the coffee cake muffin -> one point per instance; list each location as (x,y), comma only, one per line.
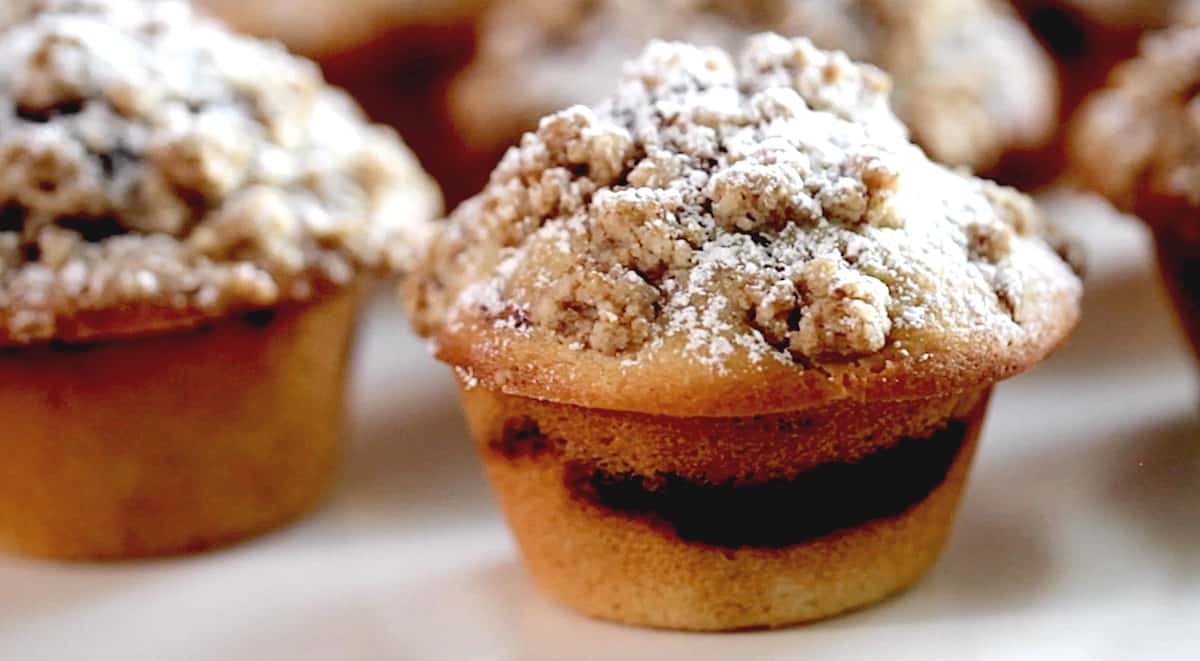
(187,218)
(971,82)
(1137,142)
(726,340)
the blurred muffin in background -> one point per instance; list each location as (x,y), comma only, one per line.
(322,27)
(1137,142)
(394,56)
(970,81)
(1089,37)
(187,219)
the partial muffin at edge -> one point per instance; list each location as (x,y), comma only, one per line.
(1137,143)
(188,220)
(750,238)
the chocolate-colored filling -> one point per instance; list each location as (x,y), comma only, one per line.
(781,512)
(522,438)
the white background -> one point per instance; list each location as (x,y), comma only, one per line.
(1079,537)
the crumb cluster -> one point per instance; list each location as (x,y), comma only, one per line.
(971,81)
(1139,140)
(149,156)
(773,207)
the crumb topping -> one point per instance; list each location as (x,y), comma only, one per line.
(971,81)
(1138,141)
(774,207)
(150,157)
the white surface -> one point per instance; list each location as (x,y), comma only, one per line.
(1079,537)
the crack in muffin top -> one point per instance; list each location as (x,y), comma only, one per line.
(773,209)
(1137,142)
(971,81)
(151,159)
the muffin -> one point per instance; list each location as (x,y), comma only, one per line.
(971,81)
(1137,142)
(725,341)
(187,221)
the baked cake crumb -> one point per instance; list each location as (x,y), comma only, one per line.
(772,207)
(150,157)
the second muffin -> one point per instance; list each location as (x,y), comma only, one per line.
(1137,142)
(726,341)
(188,219)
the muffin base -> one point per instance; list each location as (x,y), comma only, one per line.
(630,564)
(1179,266)
(172,443)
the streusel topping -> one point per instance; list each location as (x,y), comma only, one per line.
(971,81)
(149,157)
(774,208)
(1140,138)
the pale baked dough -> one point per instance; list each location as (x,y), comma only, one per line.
(1137,142)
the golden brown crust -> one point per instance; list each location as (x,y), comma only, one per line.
(669,382)
(618,567)
(174,443)
(711,449)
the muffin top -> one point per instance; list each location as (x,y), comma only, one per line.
(720,238)
(157,170)
(1138,141)
(971,82)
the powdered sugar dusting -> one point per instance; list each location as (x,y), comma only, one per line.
(770,209)
(148,156)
